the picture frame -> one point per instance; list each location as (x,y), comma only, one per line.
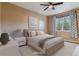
(33,22)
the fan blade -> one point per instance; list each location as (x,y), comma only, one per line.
(50,3)
(46,8)
(58,3)
(44,4)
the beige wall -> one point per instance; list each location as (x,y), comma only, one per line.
(14,17)
(49,21)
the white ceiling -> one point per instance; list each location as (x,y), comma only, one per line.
(36,7)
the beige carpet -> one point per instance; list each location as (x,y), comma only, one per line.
(67,50)
(73,40)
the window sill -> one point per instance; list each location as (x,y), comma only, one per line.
(63,31)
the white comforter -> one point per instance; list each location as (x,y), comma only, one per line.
(34,41)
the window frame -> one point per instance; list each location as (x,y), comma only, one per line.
(63,19)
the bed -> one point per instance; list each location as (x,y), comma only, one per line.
(49,47)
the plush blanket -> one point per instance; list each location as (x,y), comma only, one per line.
(42,42)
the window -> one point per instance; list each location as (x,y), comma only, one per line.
(63,23)
(41,25)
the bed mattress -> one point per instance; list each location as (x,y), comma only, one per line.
(34,41)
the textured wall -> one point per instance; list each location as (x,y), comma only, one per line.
(14,17)
(49,26)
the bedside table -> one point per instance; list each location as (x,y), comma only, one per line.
(21,40)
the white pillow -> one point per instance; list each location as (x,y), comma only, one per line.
(40,32)
(32,33)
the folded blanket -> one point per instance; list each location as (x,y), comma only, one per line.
(42,42)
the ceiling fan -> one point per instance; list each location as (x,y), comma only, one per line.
(51,5)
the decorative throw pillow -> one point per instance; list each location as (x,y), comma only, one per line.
(32,33)
(4,38)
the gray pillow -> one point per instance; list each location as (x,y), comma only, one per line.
(26,33)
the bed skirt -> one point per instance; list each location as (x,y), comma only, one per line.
(50,51)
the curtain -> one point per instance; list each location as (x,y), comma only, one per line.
(53,25)
(74,33)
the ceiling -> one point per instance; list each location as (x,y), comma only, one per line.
(36,7)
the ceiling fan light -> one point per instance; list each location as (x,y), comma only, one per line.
(50,6)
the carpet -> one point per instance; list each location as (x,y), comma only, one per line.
(67,50)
